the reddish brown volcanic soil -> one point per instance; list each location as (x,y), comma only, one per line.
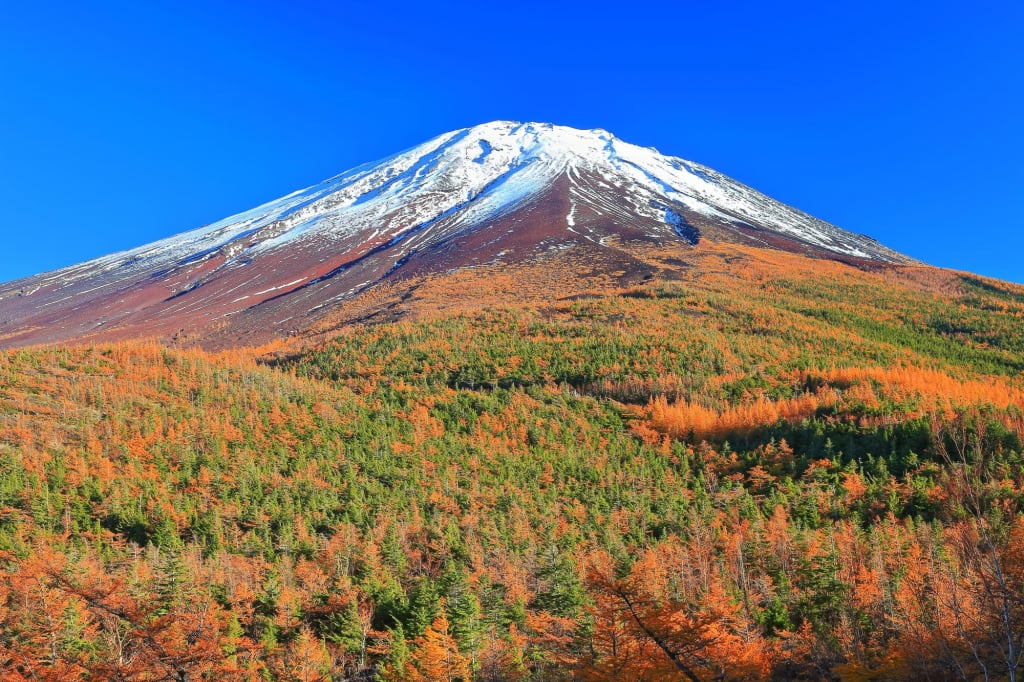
(223,301)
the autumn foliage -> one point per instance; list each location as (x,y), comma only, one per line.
(765,475)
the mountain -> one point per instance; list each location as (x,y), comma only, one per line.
(618,417)
(497,194)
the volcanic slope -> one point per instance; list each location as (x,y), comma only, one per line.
(491,196)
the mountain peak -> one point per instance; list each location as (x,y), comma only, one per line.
(495,193)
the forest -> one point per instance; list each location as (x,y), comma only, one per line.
(793,470)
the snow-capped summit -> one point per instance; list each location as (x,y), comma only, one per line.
(497,191)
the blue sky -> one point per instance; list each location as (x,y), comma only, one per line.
(125,122)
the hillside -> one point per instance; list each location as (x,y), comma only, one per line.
(720,462)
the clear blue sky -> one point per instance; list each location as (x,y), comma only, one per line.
(124,122)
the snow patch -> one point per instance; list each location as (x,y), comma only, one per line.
(279,287)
